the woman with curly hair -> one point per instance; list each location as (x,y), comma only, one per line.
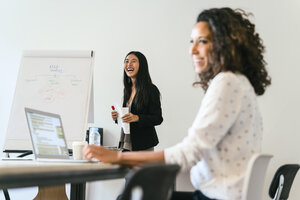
(228,57)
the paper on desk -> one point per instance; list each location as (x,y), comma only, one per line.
(122,111)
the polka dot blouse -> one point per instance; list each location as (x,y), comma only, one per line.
(226,132)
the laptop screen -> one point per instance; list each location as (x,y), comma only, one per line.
(46,134)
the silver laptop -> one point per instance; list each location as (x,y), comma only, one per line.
(47,137)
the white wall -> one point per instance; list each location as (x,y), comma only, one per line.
(161,30)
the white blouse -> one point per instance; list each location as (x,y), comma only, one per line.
(226,132)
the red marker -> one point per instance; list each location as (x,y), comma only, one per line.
(113,108)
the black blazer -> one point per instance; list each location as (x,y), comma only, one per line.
(142,133)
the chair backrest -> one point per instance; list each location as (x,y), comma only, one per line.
(255,177)
(149,182)
(282,181)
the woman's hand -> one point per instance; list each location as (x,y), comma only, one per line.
(129,117)
(117,157)
(114,115)
(101,153)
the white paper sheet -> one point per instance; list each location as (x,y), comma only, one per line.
(122,111)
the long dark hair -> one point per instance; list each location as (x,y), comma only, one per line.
(142,83)
(236,47)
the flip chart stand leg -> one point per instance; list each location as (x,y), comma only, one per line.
(6,194)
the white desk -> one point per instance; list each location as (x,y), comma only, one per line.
(14,174)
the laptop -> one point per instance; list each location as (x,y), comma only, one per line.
(47,137)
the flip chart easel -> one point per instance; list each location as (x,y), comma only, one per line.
(57,82)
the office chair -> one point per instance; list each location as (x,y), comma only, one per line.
(255,177)
(149,182)
(282,181)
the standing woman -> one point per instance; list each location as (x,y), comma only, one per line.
(143,99)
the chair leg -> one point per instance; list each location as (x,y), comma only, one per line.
(6,194)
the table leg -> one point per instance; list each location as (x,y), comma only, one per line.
(78,191)
(51,192)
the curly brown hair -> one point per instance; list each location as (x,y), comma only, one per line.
(236,47)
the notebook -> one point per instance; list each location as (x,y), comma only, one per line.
(47,137)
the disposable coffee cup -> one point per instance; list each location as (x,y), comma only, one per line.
(78,150)
(125,126)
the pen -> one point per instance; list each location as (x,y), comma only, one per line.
(113,108)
